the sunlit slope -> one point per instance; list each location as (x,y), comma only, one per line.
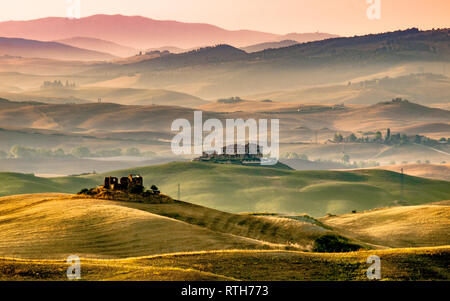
(55,226)
(406,226)
(235,188)
(397,264)
(431,171)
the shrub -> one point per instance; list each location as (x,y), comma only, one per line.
(155,189)
(330,243)
(86,191)
(136,189)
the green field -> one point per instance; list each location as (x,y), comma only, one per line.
(235,188)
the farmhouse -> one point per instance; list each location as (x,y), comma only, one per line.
(245,154)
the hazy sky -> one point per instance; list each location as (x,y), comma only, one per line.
(344,17)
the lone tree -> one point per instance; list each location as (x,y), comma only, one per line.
(155,189)
(338,138)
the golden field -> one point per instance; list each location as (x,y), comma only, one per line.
(182,241)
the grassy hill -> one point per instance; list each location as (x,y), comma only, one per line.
(128,96)
(397,227)
(397,265)
(53,226)
(431,171)
(56,225)
(182,241)
(236,188)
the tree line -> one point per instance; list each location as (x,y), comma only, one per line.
(19,151)
(389,139)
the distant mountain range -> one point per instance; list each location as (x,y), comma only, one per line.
(142,33)
(51,50)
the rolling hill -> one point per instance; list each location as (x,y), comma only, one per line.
(398,265)
(397,227)
(295,120)
(420,88)
(100,46)
(127,96)
(224,70)
(96,228)
(50,50)
(107,224)
(180,241)
(431,171)
(235,188)
(91,116)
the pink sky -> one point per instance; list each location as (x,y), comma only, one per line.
(344,17)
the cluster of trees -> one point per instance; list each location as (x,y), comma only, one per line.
(231,100)
(345,160)
(84,152)
(390,139)
(294,155)
(58,84)
(19,151)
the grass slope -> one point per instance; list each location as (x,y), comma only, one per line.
(397,227)
(235,188)
(57,225)
(397,264)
